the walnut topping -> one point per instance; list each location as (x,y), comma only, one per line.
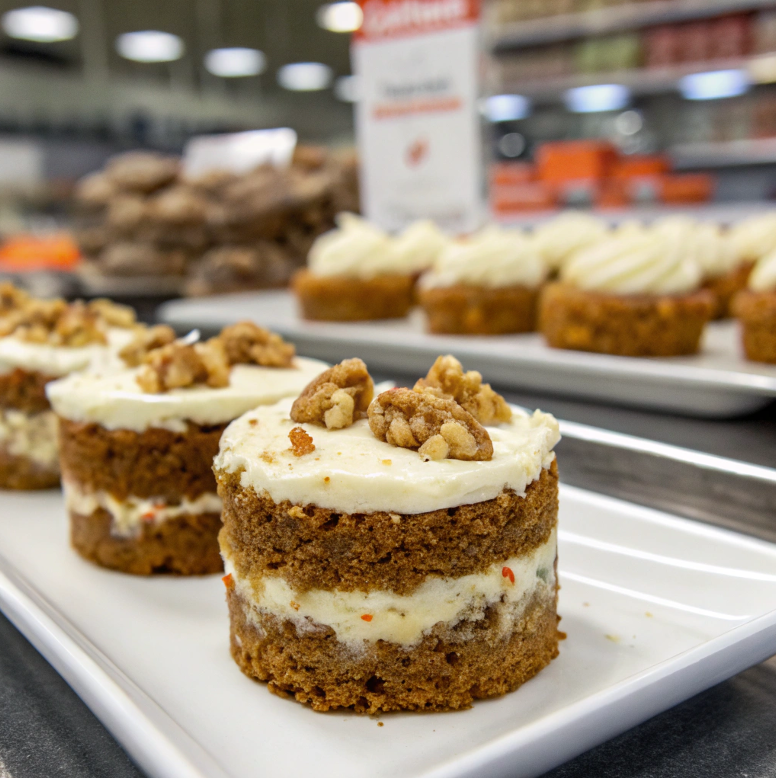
(178,365)
(12,298)
(135,352)
(447,379)
(437,427)
(337,397)
(247,343)
(301,442)
(113,314)
(54,322)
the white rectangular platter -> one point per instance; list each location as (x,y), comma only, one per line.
(718,382)
(656,608)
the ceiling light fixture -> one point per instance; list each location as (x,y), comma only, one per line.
(235,62)
(41,24)
(340,17)
(150,46)
(305,76)
(506,108)
(714,85)
(347,89)
(599,97)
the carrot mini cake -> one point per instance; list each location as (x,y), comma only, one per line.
(559,238)
(487,284)
(724,271)
(354,273)
(40,341)
(137,445)
(636,295)
(395,552)
(756,309)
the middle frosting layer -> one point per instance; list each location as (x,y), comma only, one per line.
(354,472)
(115,401)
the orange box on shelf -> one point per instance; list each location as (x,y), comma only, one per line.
(680,188)
(641,166)
(509,199)
(29,252)
(568,160)
(505,173)
(612,194)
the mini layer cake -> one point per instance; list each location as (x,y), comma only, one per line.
(402,557)
(40,341)
(137,445)
(358,272)
(756,309)
(486,284)
(637,294)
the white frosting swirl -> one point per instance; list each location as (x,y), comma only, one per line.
(493,257)
(763,275)
(646,263)
(115,401)
(706,243)
(558,239)
(355,249)
(417,248)
(755,237)
(354,472)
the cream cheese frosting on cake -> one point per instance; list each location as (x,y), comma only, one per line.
(417,248)
(763,275)
(494,257)
(116,401)
(354,472)
(558,239)
(30,435)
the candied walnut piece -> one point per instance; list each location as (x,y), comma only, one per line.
(113,314)
(301,442)
(78,326)
(247,343)
(12,298)
(337,397)
(410,419)
(447,379)
(147,340)
(213,356)
(34,320)
(171,367)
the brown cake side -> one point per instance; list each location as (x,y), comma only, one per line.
(757,313)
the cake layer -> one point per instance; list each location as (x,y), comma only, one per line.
(116,402)
(154,464)
(372,615)
(448,669)
(60,360)
(353,472)
(316,548)
(30,435)
(131,514)
(185,544)
(24,390)
(20,472)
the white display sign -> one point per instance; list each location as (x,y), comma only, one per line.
(417,121)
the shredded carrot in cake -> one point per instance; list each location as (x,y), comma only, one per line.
(507,573)
(228,581)
(367,617)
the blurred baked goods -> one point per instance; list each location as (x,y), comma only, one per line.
(141,216)
(755,308)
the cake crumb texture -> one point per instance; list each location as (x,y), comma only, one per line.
(757,313)
(22,473)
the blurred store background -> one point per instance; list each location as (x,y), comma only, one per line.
(612,105)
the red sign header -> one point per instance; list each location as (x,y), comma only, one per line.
(400,18)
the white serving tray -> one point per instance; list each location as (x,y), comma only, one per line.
(656,608)
(719,382)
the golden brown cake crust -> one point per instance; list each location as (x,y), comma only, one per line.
(316,548)
(184,545)
(153,463)
(18,472)
(447,670)
(726,286)
(633,325)
(478,310)
(336,298)
(757,313)
(24,390)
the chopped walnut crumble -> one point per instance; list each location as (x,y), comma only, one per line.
(337,397)
(113,314)
(11,298)
(437,427)
(54,322)
(447,379)
(179,365)
(146,340)
(301,442)
(247,343)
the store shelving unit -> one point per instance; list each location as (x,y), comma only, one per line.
(739,153)
(631,16)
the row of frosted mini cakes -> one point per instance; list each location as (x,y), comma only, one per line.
(635,290)
(389,551)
